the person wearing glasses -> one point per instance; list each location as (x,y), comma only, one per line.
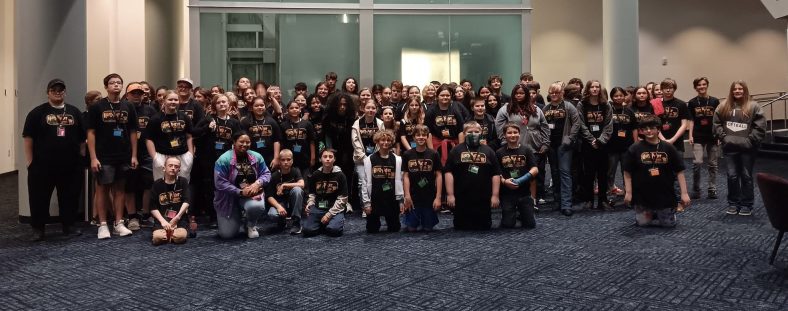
(54,138)
(651,167)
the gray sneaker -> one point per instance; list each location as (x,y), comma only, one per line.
(745,211)
(296,228)
(134,224)
(732,210)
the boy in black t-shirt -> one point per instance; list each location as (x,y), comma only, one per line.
(701,137)
(170,202)
(285,193)
(382,192)
(518,168)
(422,183)
(650,168)
(54,137)
(676,118)
(470,167)
(325,208)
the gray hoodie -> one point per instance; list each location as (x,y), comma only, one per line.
(740,133)
(535,134)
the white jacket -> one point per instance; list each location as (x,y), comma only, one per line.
(366,182)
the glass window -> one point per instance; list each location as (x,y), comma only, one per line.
(417,49)
(280,49)
(297,1)
(448,1)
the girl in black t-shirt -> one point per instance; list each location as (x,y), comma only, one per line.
(623,136)
(389,123)
(315,114)
(596,114)
(413,116)
(298,135)
(264,132)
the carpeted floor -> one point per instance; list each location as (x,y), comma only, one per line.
(591,261)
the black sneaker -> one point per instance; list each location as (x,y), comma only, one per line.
(745,211)
(712,194)
(37,236)
(695,195)
(296,228)
(71,232)
(732,210)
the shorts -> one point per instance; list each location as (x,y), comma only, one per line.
(111,173)
(664,217)
(138,180)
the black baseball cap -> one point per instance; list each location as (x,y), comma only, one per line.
(55,82)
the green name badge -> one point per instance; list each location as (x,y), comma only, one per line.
(514,173)
(474,169)
(423,183)
(386,186)
(322,205)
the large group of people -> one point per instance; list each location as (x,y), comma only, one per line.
(244,160)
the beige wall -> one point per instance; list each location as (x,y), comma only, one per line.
(7,88)
(734,40)
(166,36)
(116,40)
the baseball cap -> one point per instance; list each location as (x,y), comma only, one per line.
(187,80)
(55,82)
(133,87)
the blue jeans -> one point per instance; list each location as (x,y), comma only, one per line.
(293,204)
(740,187)
(229,227)
(560,158)
(312,226)
(421,215)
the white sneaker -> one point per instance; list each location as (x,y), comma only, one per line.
(121,230)
(134,224)
(103,232)
(252,233)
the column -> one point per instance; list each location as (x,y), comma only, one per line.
(620,55)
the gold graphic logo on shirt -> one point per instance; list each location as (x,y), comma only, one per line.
(189,113)
(142,122)
(224,132)
(295,134)
(60,120)
(595,117)
(473,157)
(368,132)
(120,116)
(173,126)
(654,157)
(671,112)
(555,114)
(447,120)
(170,197)
(260,131)
(326,187)
(384,172)
(513,161)
(420,165)
(621,118)
(640,115)
(704,111)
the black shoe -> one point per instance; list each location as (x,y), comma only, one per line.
(695,195)
(732,210)
(588,205)
(295,229)
(712,195)
(568,212)
(745,211)
(605,206)
(71,232)
(37,236)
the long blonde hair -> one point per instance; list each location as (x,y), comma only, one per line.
(726,109)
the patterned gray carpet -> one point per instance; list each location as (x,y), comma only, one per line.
(592,261)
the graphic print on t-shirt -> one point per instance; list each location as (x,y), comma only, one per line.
(367,132)
(654,157)
(473,157)
(513,161)
(60,119)
(170,197)
(224,132)
(621,118)
(555,114)
(704,111)
(260,131)
(420,165)
(295,134)
(111,116)
(189,113)
(448,119)
(671,112)
(173,126)
(384,172)
(640,115)
(326,187)
(142,122)
(595,117)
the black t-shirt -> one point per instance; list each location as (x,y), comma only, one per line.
(56,134)
(263,133)
(451,120)
(144,114)
(594,117)
(675,111)
(168,132)
(222,138)
(489,135)
(641,112)
(297,136)
(406,129)
(623,125)
(327,187)
(246,174)
(556,118)
(653,169)
(472,170)
(701,111)
(193,110)
(421,168)
(168,198)
(278,178)
(383,173)
(112,129)
(367,131)
(515,163)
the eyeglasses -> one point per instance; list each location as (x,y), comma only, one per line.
(57,91)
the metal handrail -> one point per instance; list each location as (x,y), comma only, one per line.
(770,104)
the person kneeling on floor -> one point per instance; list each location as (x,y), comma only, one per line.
(381,191)
(650,168)
(285,194)
(327,202)
(170,202)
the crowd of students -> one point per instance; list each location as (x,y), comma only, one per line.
(240,159)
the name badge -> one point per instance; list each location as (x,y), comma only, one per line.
(219,145)
(386,186)
(514,173)
(413,144)
(174,143)
(260,144)
(117,132)
(61,131)
(297,148)
(171,214)
(551,126)
(736,126)
(322,205)
(423,182)
(622,133)
(595,128)
(654,171)
(370,149)
(473,169)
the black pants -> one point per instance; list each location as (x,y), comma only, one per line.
(541,162)
(42,180)
(388,211)
(595,165)
(472,212)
